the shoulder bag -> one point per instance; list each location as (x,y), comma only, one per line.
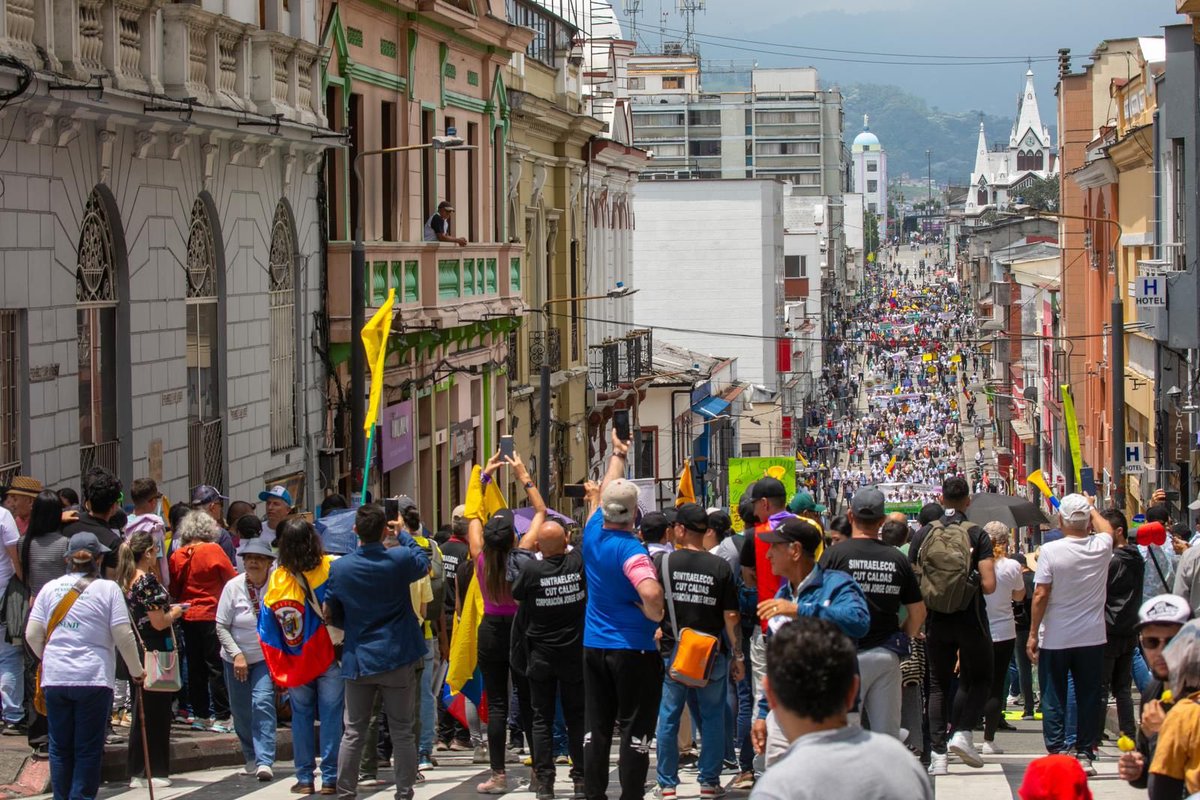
(161,667)
(14,610)
(56,618)
(695,651)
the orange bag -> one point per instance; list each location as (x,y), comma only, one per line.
(695,651)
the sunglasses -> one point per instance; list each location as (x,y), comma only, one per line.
(1156,642)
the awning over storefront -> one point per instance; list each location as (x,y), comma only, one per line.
(1022,430)
(711,407)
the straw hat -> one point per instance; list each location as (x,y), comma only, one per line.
(25,485)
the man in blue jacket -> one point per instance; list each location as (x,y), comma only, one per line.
(807,591)
(382,647)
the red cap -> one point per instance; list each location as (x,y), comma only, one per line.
(1152,533)
(1056,777)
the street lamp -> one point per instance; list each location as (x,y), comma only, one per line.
(358,299)
(621,290)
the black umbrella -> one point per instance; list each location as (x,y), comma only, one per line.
(1015,512)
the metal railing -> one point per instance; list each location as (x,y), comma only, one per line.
(206,463)
(545,348)
(103,454)
(8,472)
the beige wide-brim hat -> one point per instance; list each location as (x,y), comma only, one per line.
(25,485)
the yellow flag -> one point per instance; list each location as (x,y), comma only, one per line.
(1071,423)
(374,340)
(891,466)
(685,493)
(482,502)
(800,457)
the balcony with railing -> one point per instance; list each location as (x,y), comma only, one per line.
(437,285)
(176,49)
(545,349)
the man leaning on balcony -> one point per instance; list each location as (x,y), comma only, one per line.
(437,228)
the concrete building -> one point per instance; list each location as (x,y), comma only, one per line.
(785,126)
(161,235)
(1002,170)
(396,77)
(871,175)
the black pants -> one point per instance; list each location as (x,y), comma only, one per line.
(157,708)
(1117,677)
(971,645)
(624,688)
(38,729)
(1024,672)
(993,709)
(551,682)
(206,674)
(494,638)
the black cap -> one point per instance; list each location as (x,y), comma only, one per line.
(692,516)
(867,504)
(769,488)
(500,528)
(795,530)
(654,525)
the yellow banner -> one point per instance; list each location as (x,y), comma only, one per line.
(374,341)
(1072,424)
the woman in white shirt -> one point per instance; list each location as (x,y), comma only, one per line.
(1010,588)
(251,691)
(79,663)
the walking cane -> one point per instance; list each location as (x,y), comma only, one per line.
(141,706)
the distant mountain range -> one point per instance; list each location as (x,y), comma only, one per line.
(907,126)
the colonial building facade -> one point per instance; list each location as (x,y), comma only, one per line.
(160,251)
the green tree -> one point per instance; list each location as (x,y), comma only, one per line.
(870,232)
(1042,194)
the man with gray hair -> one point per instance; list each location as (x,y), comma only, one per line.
(1068,620)
(622,671)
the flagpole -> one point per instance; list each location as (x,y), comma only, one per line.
(367,465)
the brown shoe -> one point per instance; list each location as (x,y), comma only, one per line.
(302,788)
(328,790)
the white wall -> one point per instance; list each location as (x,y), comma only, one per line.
(708,256)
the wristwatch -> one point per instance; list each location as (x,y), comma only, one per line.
(529,484)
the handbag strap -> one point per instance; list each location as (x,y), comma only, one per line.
(666,567)
(1157,568)
(311,596)
(138,634)
(65,604)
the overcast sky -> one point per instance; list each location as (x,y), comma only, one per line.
(868,28)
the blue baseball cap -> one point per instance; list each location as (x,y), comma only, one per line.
(277,493)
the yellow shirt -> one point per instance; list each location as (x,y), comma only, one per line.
(421,592)
(1177,754)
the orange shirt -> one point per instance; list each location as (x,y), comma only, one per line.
(1177,754)
(198,574)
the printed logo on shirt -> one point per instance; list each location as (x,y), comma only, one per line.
(693,587)
(560,590)
(874,576)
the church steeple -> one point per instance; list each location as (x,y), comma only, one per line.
(981,150)
(1029,119)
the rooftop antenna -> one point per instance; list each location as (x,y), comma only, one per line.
(635,8)
(688,9)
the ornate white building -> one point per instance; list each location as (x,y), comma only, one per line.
(1001,172)
(160,248)
(870,174)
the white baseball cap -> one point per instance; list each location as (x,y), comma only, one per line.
(1075,509)
(1164,609)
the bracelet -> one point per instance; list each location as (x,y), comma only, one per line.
(484,479)
(529,484)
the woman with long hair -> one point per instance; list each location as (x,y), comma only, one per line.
(490,546)
(299,651)
(199,571)
(1010,588)
(153,617)
(42,550)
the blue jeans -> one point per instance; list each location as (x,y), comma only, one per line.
(78,722)
(1082,667)
(1141,671)
(428,710)
(323,696)
(561,747)
(12,680)
(711,723)
(742,693)
(252,702)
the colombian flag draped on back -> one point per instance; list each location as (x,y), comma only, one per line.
(295,641)
(464,680)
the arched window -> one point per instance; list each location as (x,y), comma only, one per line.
(96,318)
(282,289)
(981,197)
(205,441)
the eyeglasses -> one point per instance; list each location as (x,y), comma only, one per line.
(1156,642)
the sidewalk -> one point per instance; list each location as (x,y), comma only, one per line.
(21,775)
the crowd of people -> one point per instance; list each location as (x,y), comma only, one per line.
(815,637)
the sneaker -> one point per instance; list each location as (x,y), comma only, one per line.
(1027,716)
(157,783)
(456,745)
(249,769)
(962,746)
(545,791)
(114,738)
(425,762)
(711,791)
(442,747)
(1085,761)
(369,781)
(729,765)
(222,726)
(991,749)
(578,791)
(497,784)
(201,724)
(939,764)
(329,791)
(481,755)
(744,780)
(301,788)
(562,760)
(41,752)
(17,729)
(264,773)
(1015,700)
(665,792)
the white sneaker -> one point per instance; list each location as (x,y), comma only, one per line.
(938,764)
(480,755)
(991,749)
(1086,763)
(140,783)
(962,746)
(264,773)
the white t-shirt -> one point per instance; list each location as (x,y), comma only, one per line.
(9,536)
(1077,568)
(999,602)
(81,650)
(236,612)
(152,524)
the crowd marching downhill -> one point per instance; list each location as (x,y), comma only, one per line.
(845,640)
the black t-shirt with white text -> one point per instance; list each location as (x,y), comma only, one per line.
(553,596)
(703,589)
(886,578)
(454,553)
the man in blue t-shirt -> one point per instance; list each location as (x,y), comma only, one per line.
(622,671)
